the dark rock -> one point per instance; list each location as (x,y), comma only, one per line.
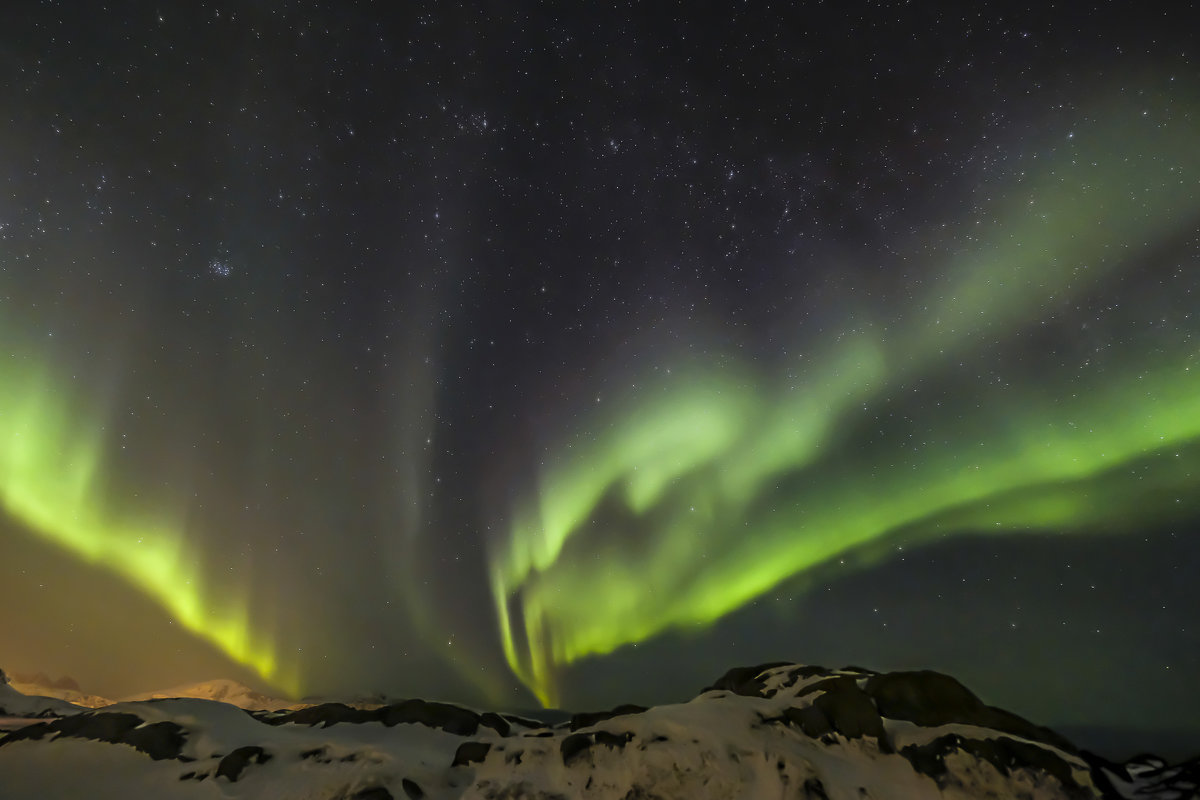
(452,719)
(850,710)
(573,745)
(470,752)
(746,681)
(589,718)
(824,686)
(102,726)
(324,715)
(577,743)
(814,790)
(235,763)
(931,698)
(373,793)
(525,722)
(859,670)
(926,698)
(809,719)
(798,673)
(29,732)
(411,789)
(160,740)
(1147,776)
(496,722)
(641,793)
(841,708)
(1003,753)
(614,740)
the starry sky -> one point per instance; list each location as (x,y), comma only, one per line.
(520,353)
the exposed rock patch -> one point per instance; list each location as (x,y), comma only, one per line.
(1006,755)
(588,719)
(444,716)
(930,699)
(235,763)
(470,753)
(159,740)
(577,743)
(746,681)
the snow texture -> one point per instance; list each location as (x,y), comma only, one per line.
(775,731)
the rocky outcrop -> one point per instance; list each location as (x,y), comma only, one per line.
(159,740)
(931,698)
(588,719)
(444,716)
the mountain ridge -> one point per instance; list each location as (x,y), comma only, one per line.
(780,729)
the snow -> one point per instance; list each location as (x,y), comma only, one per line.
(719,745)
(227,691)
(70,695)
(15,704)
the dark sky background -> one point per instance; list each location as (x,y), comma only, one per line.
(343,344)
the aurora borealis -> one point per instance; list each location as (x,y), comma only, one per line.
(697,456)
(520,355)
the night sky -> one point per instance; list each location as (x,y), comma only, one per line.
(529,351)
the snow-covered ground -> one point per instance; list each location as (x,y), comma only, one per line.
(783,731)
(14,703)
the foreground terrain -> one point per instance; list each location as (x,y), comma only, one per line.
(770,731)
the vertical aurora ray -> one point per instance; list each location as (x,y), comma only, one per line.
(711,490)
(53,482)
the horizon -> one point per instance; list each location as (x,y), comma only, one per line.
(1115,743)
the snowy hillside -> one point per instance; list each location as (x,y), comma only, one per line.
(224,691)
(63,689)
(776,731)
(14,703)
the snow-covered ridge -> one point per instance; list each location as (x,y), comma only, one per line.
(64,688)
(778,730)
(222,690)
(15,703)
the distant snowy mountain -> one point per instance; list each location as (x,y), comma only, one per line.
(221,690)
(15,703)
(772,731)
(63,689)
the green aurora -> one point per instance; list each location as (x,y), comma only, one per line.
(705,492)
(54,481)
